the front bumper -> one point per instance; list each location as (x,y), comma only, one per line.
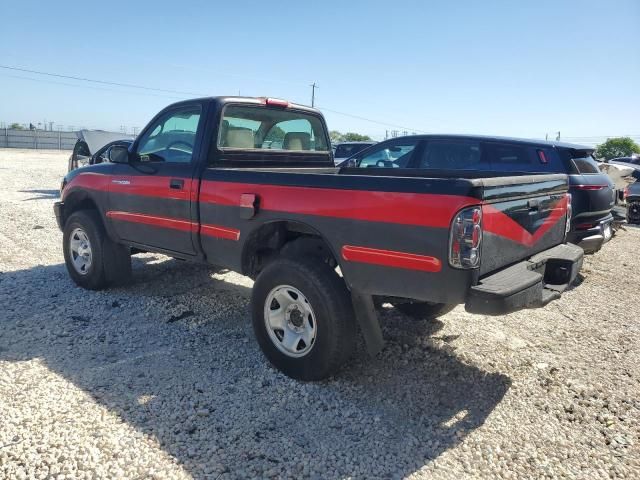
(58,209)
(531,283)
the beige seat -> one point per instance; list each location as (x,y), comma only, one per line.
(239,138)
(297,141)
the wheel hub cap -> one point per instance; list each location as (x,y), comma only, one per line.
(80,251)
(290,321)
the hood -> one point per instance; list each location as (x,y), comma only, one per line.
(96,139)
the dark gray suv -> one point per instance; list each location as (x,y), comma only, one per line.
(592,191)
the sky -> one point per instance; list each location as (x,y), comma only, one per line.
(488,67)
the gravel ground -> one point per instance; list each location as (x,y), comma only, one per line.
(163,379)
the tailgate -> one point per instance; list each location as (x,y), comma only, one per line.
(521,216)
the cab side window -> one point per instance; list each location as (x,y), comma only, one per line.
(396,155)
(452,155)
(523,158)
(512,158)
(172,138)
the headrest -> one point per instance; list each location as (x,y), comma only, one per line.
(297,141)
(239,138)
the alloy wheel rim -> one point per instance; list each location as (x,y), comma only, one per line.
(80,250)
(290,321)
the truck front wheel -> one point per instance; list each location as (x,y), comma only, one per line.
(92,259)
(303,318)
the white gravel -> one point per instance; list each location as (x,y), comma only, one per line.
(115,385)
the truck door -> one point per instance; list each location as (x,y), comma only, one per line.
(150,198)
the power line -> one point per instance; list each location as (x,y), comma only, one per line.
(52,82)
(371,120)
(604,136)
(103,82)
(143,87)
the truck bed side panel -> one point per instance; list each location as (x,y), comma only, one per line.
(387,242)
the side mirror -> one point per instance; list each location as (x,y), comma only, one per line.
(119,154)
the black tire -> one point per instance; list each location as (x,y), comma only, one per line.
(633,212)
(329,298)
(110,262)
(424,310)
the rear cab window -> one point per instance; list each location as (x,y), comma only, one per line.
(248,127)
(583,162)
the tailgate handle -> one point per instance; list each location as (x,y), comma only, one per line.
(533,204)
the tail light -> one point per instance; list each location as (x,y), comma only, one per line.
(465,238)
(625,193)
(569,214)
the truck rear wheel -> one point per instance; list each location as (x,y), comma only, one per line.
(303,318)
(92,259)
(424,310)
(633,212)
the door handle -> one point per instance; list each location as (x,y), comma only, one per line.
(176,183)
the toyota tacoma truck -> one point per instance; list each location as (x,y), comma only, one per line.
(249,184)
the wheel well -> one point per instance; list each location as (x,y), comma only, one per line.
(78,202)
(277,239)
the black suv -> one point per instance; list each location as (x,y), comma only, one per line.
(592,191)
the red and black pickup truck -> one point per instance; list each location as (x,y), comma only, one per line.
(249,184)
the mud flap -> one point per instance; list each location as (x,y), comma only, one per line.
(368,320)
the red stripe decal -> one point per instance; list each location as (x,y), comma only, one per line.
(497,222)
(220,232)
(150,186)
(422,209)
(389,258)
(176,224)
(88,180)
(173,223)
(146,186)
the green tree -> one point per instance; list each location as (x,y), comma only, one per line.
(16,126)
(617,147)
(356,137)
(336,136)
(275,135)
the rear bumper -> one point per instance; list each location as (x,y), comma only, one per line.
(58,209)
(591,239)
(531,283)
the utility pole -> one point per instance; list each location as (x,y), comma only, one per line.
(313,94)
